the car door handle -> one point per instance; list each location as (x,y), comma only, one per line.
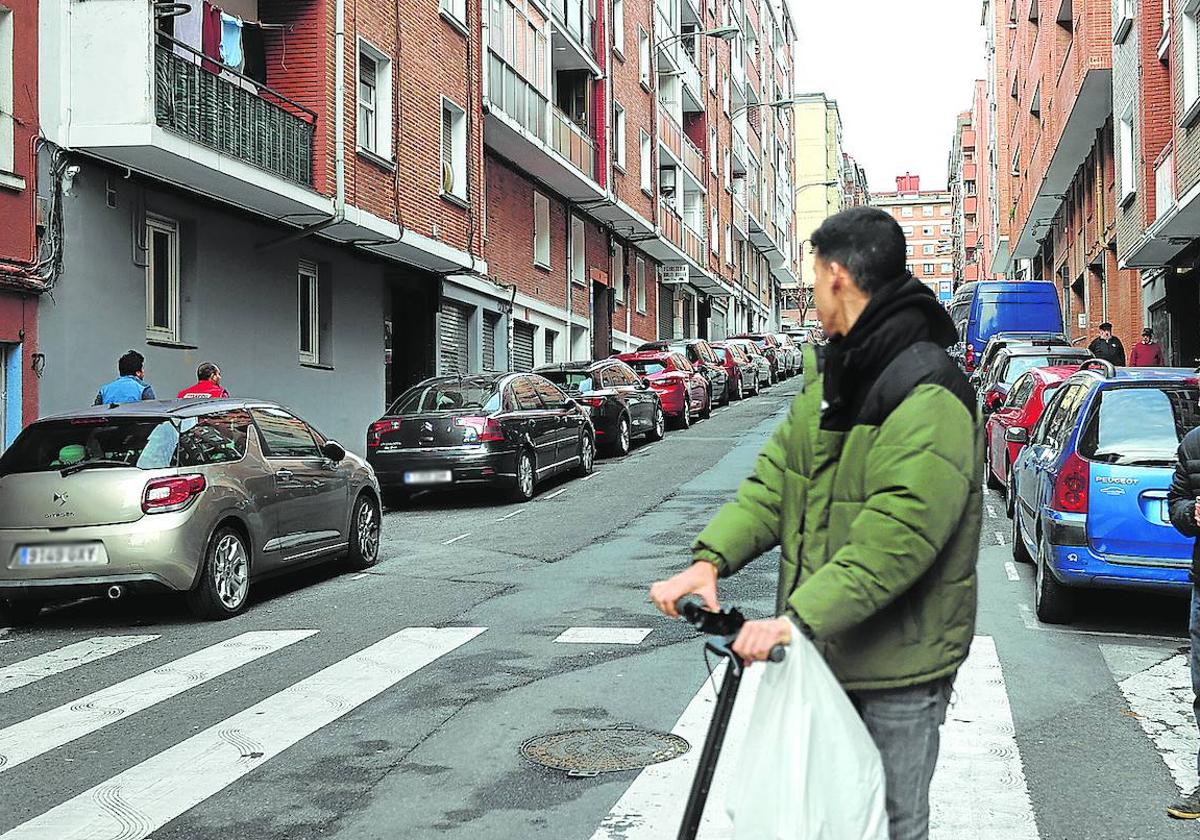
(284,475)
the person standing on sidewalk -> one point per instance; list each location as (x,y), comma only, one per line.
(1183,502)
(130,385)
(872,488)
(1147,352)
(208,384)
(1107,346)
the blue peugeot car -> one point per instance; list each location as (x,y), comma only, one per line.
(1090,485)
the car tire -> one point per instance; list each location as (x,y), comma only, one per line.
(726,399)
(365,527)
(622,441)
(396,499)
(658,429)
(685,416)
(19,613)
(993,483)
(223,589)
(525,482)
(1019,552)
(1010,498)
(740,393)
(706,412)
(1053,602)
(587,455)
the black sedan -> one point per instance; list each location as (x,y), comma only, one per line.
(621,404)
(510,430)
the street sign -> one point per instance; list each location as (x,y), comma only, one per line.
(674,275)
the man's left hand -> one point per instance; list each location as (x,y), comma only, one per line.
(756,638)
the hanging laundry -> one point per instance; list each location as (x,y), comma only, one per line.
(255,53)
(231,42)
(188,31)
(210,36)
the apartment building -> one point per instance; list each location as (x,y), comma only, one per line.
(992,115)
(321,201)
(1156,105)
(856,191)
(963,179)
(925,217)
(26,269)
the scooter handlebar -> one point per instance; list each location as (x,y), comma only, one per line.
(727,623)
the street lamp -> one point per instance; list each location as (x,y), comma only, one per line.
(722,33)
(778,103)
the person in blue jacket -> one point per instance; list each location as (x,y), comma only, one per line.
(130,386)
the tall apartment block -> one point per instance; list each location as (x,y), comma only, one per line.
(965,200)
(925,217)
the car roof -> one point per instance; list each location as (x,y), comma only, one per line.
(1054,374)
(643,355)
(1044,350)
(577,365)
(1140,374)
(165,409)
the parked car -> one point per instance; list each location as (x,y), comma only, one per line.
(743,378)
(762,365)
(1008,427)
(986,307)
(501,429)
(203,497)
(789,348)
(1012,361)
(682,390)
(1007,339)
(701,356)
(1091,485)
(769,347)
(621,405)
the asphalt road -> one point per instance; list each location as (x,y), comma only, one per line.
(416,733)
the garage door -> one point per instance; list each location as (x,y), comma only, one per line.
(453,328)
(491,321)
(666,311)
(522,346)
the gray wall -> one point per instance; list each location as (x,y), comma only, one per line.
(238,308)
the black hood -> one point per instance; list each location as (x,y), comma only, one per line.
(902,313)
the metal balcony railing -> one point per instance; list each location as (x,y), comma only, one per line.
(693,245)
(232,113)
(693,158)
(570,142)
(671,225)
(517,98)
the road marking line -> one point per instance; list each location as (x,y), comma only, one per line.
(50,730)
(979,788)
(589,476)
(726,408)
(999,537)
(65,658)
(1031,623)
(139,801)
(453,540)
(603,635)
(554,495)
(646,448)
(1161,697)
(511,515)
(1010,569)
(358,576)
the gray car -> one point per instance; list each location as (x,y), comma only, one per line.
(200,497)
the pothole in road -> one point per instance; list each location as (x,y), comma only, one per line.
(590,752)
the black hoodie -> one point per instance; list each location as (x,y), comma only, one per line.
(902,313)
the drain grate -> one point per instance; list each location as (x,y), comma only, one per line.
(589,752)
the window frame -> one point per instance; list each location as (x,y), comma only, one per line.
(617,271)
(578,251)
(644,58)
(458,151)
(1126,158)
(381,107)
(169,227)
(646,163)
(8,66)
(541,230)
(618,27)
(308,271)
(1123,20)
(619,136)
(641,285)
(456,12)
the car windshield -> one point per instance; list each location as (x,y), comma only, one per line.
(1019,364)
(447,396)
(574,381)
(1140,426)
(145,443)
(647,368)
(720,351)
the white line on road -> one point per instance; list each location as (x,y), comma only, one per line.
(554,495)
(1010,569)
(726,408)
(50,730)
(603,635)
(1031,623)
(645,448)
(999,537)
(589,476)
(511,515)
(139,801)
(65,658)
(453,540)
(359,576)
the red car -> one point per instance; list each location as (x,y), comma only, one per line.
(743,379)
(682,390)
(1008,426)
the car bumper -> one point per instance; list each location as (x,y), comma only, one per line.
(1080,566)
(473,466)
(157,552)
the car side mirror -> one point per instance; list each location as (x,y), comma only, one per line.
(1016,434)
(569,404)
(334,451)
(645,383)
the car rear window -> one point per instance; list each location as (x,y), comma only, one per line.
(446,396)
(1020,364)
(647,368)
(145,443)
(214,438)
(571,380)
(1140,426)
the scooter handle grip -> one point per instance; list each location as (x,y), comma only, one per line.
(777,654)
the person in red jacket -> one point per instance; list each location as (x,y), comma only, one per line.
(208,385)
(1147,352)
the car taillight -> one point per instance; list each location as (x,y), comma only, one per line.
(480,429)
(594,402)
(969,359)
(377,430)
(1071,486)
(163,495)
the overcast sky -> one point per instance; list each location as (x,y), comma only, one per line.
(900,73)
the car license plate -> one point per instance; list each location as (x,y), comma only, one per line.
(428,477)
(89,554)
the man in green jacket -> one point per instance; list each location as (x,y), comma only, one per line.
(872,489)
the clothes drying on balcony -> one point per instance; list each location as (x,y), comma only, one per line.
(231,41)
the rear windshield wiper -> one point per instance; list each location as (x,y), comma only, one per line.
(87,465)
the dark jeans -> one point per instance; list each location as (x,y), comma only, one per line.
(1194,629)
(904,724)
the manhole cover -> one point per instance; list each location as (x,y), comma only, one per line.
(587,752)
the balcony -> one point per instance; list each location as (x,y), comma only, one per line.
(573,144)
(740,159)
(574,38)
(675,147)
(693,83)
(694,245)
(741,219)
(670,225)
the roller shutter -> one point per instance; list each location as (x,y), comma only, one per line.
(522,346)
(453,329)
(666,311)
(491,321)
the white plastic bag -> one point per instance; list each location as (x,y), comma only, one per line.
(808,769)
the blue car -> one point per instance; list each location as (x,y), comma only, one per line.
(1090,485)
(982,309)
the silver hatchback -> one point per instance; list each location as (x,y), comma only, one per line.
(185,496)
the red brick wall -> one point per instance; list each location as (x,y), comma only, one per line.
(296,59)
(1155,123)
(638,103)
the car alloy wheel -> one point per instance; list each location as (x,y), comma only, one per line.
(659,429)
(1010,498)
(224,584)
(623,436)
(1019,552)
(1053,602)
(587,454)
(364,544)
(993,483)
(741,390)
(526,477)
(685,419)
(706,412)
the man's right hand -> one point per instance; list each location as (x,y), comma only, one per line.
(1196,513)
(698,579)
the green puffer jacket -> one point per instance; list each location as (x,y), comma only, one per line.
(878,526)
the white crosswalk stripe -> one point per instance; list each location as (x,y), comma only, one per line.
(50,730)
(27,671)
(138,801)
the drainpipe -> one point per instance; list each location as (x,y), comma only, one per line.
(570,267)
(339,117)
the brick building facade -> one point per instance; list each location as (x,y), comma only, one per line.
(925,217)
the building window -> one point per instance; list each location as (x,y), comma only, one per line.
(645,162)
(728,245)
(7,67)
(309,312)
(927,268)
(728,179)
(927,249)
(908,250)
(550,336)
(456,10)
(906,212)
(928,231)
(641,285)
(1124,20)
(725,91)
(714,232)
(454,150)
(945,268)
(644,57)
(618,25)
(1191,58)
(374,101)
(619,134)
(1128,176)
(712,150)
(712,69)
(1015,171)
(926,210)
(541,230)
(945,209)
(162,279)
(908,229)
(578,250)
(617,270)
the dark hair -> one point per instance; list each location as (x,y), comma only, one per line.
(130,363)
(867,242)
(206,370)
(1106,326)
